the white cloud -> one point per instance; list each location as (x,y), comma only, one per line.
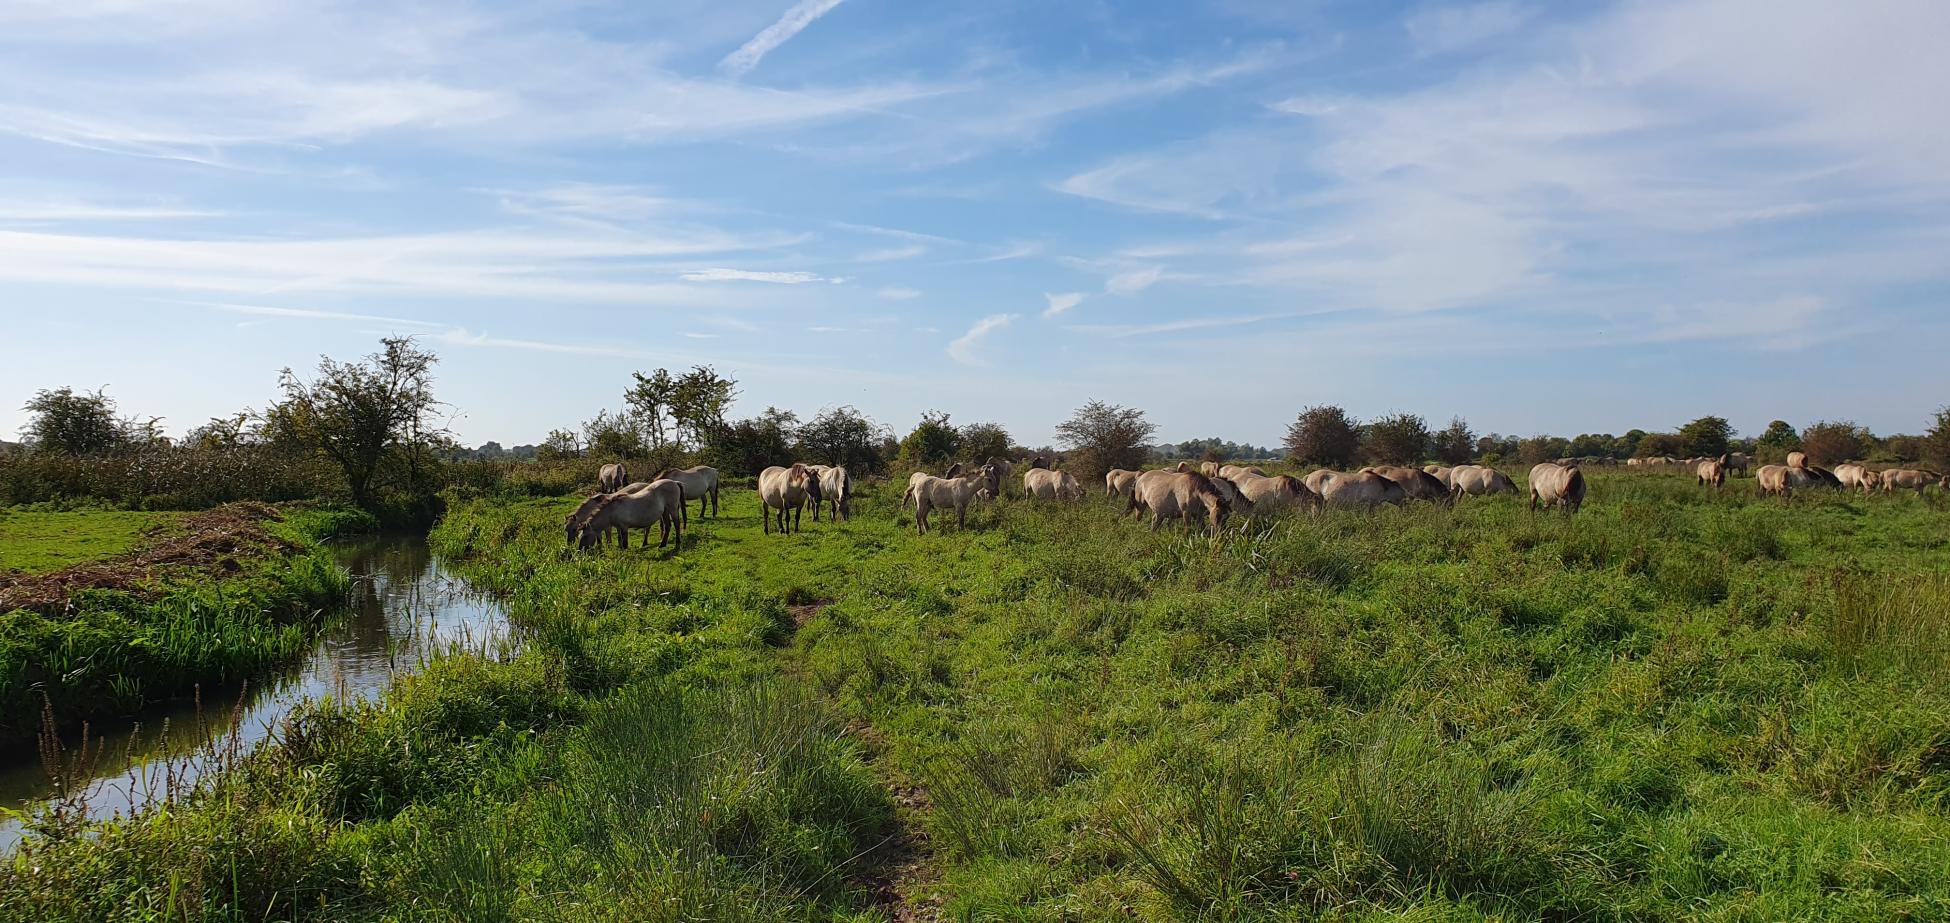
(1011,252)
(310,314)
(1119,331)
(962,350)
(1134,281)
(899,293)
(795,20)
(747,275)
(1057,304)
(511,264)
(891,254)
(1441,29)
(48,212)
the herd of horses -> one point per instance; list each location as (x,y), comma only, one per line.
(1207,494)
(663,502)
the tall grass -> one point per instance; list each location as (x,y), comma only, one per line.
(1662,708)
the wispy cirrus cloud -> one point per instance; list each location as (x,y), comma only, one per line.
(1056,305)
(899,293)
(795,21)
(1134,281)
(962,349)
(794,277)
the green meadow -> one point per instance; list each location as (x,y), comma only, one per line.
(36,542)
(1676,705)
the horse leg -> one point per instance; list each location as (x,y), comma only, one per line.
(768,520)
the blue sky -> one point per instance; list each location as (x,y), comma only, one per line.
(1542,217)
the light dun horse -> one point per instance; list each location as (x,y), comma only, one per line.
(1179,495)
(1119,483)
(835,487)
(1712,471)
(1856,477)
(611,478)
(931,493)
(700,484)
(1364,489)
(786,491)
(1277,492)
(659,503)
(1479,481)
(1913,479)
(1049,484)
(1555,485)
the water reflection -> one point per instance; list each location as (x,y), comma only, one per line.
(404,608)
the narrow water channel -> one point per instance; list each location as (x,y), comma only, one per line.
(405,608)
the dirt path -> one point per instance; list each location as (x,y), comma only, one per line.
(900,874)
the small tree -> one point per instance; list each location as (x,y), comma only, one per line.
(981,441)
(1831,443)
(1655,445)
(1538,449)
(1590,444)
(560,444)
(750,446)
(652,399)
(1103,436)
(612,435)
(842,436)
(1397,439)
(1935,446)
(932,444)
(1323,435)
(73,424)
(357,413)
(1705,436)
(698,402)
(1455,445)
(221,434)
(1779,435)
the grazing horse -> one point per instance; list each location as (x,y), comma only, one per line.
(1235,472)
(700,484)
(1736,463)
(835,487)
(1362,488)
(1479,481)
(1119,482)
(573,526)
(1050,484)
(612,477)
(1857,477)
(931,493)
(1797,460)
(1712,471)
(1556,485)
(1209,469)
(1276,492)
(1179,495)
(1416,483)
(1441,473)
(786,491)
(658,504)
(1913,479)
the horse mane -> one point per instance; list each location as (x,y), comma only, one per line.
(954,471)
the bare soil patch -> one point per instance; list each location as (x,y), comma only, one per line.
(212,541)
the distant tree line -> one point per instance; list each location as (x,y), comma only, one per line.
(372,431)
(1329,436)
